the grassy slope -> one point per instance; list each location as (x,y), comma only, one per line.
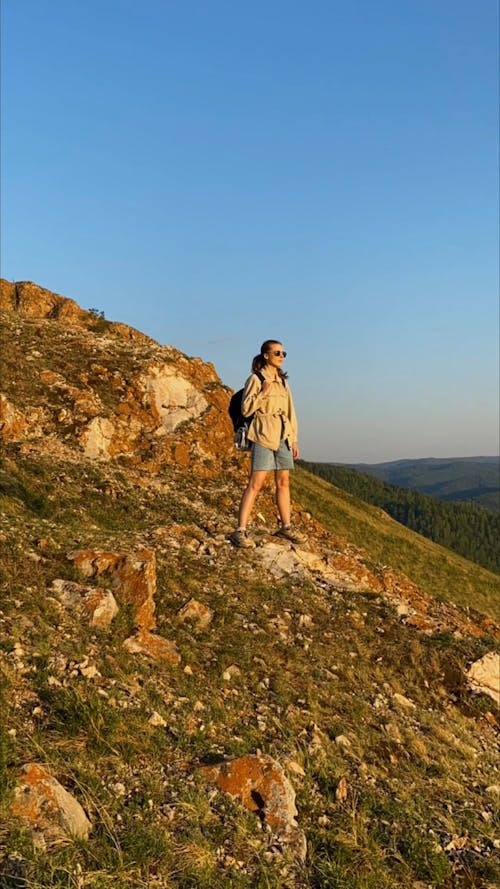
(314,665)
(415,779)
(436,570)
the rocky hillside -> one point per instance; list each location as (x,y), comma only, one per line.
(181,714)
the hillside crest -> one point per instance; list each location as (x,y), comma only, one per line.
(147,663)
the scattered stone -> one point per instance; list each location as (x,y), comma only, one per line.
(260,784)
(403,702)
(343,742)
(157,720)
(392,730)
(317,739)
(231,672)
(341,791)
(293,766)
(89,672)
(484,676)
(155,647)
(198,612)
(43,803)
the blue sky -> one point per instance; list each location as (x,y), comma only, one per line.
(326,173)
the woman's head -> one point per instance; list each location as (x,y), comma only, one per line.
(272,355)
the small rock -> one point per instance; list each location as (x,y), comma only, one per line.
(231,671)
(305,620)
(157,720)
(317,738)
(341,791)
(403,702)
(89,672)
(343,742)
(393,731)
(198,612)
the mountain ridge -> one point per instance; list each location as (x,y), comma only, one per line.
(470,479)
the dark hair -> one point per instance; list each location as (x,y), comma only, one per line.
(259,362)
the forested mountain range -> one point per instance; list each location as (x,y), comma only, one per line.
(465,528)
(472,479)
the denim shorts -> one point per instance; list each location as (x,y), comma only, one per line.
(266,459)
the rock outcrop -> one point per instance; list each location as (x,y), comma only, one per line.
(140,415)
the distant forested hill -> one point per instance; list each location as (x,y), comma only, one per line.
(465,528)
(475,479)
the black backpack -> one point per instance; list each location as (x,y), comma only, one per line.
(234,409)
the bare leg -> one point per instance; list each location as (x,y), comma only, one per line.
(257,480)
(282,479)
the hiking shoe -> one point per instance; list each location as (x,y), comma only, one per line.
(240,538)
(289,533)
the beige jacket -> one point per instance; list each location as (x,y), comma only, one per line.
(275,416)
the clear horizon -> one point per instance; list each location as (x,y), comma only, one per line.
(328,176)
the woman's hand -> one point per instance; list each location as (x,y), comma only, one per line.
(295,451)
(266,385)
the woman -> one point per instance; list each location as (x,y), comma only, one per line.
(273,433)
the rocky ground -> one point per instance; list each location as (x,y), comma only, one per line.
(180,713)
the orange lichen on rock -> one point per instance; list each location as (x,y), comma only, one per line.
(40,800)
(155,647)
(13,424)
(261,785)
(132,577)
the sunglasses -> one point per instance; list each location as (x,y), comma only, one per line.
(277,353)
